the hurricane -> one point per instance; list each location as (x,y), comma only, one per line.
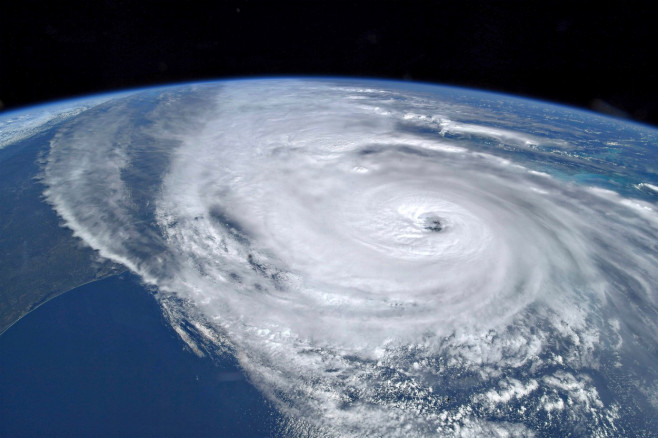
(376,258)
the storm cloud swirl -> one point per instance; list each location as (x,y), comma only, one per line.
(375,264)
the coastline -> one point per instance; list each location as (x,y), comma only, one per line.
(54,295)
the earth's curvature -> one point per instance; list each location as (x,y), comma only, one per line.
(383,258)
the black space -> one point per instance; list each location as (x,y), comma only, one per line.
(592,55)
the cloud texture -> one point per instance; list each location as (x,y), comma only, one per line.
(383,260)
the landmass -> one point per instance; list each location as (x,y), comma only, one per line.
(39,259)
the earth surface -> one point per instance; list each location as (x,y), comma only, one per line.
(326,257)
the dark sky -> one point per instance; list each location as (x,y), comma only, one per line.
(595,56)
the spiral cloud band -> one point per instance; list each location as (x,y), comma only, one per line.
(382,261)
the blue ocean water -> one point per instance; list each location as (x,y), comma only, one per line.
(101,361)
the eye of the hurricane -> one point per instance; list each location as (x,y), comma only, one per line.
(433,224)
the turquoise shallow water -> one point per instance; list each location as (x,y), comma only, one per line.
(100,361)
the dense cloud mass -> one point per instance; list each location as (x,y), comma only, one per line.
(383,260)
